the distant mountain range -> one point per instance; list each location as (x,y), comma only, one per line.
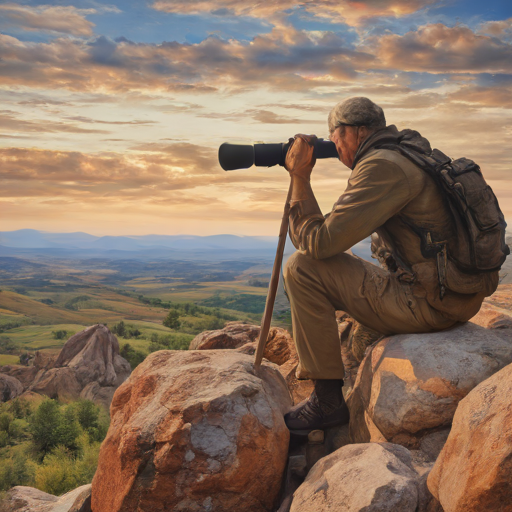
(26,242)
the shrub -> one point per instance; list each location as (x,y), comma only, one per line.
(18,430)
(17,470)
(59,335)
(134,357)
(172,320)
(45,426)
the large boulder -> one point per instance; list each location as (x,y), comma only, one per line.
(473,473)
(28,499)
(410,385)
(194,431)
(279,349)
(368,477)
(10,388)
(89,360)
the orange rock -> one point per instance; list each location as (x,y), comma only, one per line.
(299,389)
(279,348)
(410,385)
(194,430)
(473,472)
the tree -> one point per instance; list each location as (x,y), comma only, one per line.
(172,320)
(45,425)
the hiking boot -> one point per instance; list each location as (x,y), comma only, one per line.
(324,408)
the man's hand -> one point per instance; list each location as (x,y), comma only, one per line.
(300,158)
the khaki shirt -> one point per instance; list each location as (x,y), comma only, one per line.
(387,194)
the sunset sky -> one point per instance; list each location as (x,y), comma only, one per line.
(112,113)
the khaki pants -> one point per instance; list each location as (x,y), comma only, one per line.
(370,294)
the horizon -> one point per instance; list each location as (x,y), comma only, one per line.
(113,112)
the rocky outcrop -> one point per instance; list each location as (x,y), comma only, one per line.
(194,430)
(474,470)
(88,366)
(28,499)
(10,388)
(410,385)
(368,477)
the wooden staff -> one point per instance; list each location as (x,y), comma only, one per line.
(274,282)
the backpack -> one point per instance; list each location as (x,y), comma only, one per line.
(479,243)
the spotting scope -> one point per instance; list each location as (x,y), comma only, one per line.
(243,156)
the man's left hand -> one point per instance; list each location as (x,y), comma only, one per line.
(301,158)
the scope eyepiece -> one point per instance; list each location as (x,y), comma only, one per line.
(243,156)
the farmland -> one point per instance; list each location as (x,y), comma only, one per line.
(42,297)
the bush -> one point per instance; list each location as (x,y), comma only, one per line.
(4,438)
(61,471)
(18,430)
(172,320)
(17,470)
(7,346)
(59,335)
(134,357)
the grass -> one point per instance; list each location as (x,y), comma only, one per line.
(38,337)
(9,359)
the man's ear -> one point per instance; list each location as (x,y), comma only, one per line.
(362,134)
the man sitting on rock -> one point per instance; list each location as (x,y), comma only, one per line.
(394,199)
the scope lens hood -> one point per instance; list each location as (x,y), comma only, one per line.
(236,156)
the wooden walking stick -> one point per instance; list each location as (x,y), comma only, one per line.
(274,282)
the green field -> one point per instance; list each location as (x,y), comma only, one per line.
(74,295)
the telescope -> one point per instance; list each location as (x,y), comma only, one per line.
(243,156)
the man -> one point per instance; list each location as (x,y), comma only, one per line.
(389,195)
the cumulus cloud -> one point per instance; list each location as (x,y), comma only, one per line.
(285,58)
(351,12)
(48,18)
(437,48)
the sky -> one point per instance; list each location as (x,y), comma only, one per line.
(111,113)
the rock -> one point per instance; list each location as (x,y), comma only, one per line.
(88,361)
(410,385)
(233,335)
(94,356)
(100,395)
(10,387)
(279,348)
(25,374)
(194,431)
(44,361)
(372,477)
(496,319)
(474,470)
(299,389)
(28,499)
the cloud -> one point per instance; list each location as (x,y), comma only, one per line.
(497,97)
(287,59)
(9,122)
(440,49)
(48,18)
(497,28)
(353,13)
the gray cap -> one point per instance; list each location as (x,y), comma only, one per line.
(356,111)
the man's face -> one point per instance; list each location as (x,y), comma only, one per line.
(346,139)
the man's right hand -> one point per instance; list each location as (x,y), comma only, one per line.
(300,158)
